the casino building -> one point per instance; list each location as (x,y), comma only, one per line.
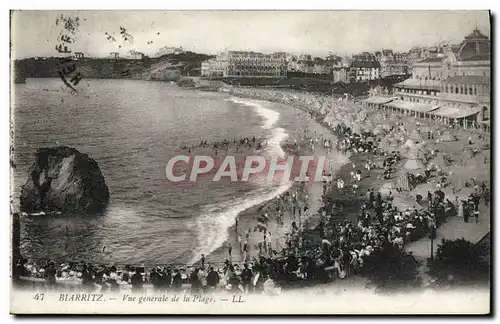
(450,88)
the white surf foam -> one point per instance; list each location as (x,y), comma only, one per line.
(270,116)
(212,226)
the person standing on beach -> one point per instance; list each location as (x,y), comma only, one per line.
(239,242)
(230,249)
(476,212)
(486,196)
(246,278)
(177,280)
(203,261)
(236,226)
(245,250)
(136,281)
(50,275)
(465,211)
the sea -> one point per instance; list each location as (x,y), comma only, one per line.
(131,129)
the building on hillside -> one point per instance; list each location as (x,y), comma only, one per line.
(292,63)
(333,60)
(247,64)
(473,57)
(79,55)
(134,55)
(414,55)
(205,68)
(364,67)
(305,66)
(346,61)
(392,63)
(401,57)
(321,67)
(340,74)
(213,68)
(253,64)
(305,57)
(171,73)
(455,89)
(169,50)
(114,55)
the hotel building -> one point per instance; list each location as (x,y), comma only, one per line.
(247,64)
(449,88)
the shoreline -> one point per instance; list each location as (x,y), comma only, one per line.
(463,168)
(319,108)
(246,217)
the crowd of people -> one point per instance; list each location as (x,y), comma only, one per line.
(336,253)
(239,145)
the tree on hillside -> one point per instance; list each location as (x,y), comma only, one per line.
(460,261)
(391,269)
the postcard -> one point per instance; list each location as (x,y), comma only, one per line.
(250,162)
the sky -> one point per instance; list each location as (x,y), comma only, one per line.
(34,33)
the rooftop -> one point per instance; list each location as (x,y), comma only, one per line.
(431,60)
(365,63)
(481,57)
(419,84)
(468,79)
(475,44)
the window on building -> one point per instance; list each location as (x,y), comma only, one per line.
(461,90)
(475,91)
(470,91)
(456,90)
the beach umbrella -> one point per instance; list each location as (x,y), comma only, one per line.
(403,183)
(378,131)
(414,164)
(386,187)
(386,127)
(465,192)
(415,136)
(356,128)
(325,241)
(409,144)
(447,137)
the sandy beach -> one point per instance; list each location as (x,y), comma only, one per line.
(247,219)
(468,151)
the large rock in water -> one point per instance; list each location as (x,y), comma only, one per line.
(63,179)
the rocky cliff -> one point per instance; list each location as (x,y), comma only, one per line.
(63,179)
(165,68)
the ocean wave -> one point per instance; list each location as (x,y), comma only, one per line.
(212,227)
(270,116)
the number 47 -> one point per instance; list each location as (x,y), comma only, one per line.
(38,297)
